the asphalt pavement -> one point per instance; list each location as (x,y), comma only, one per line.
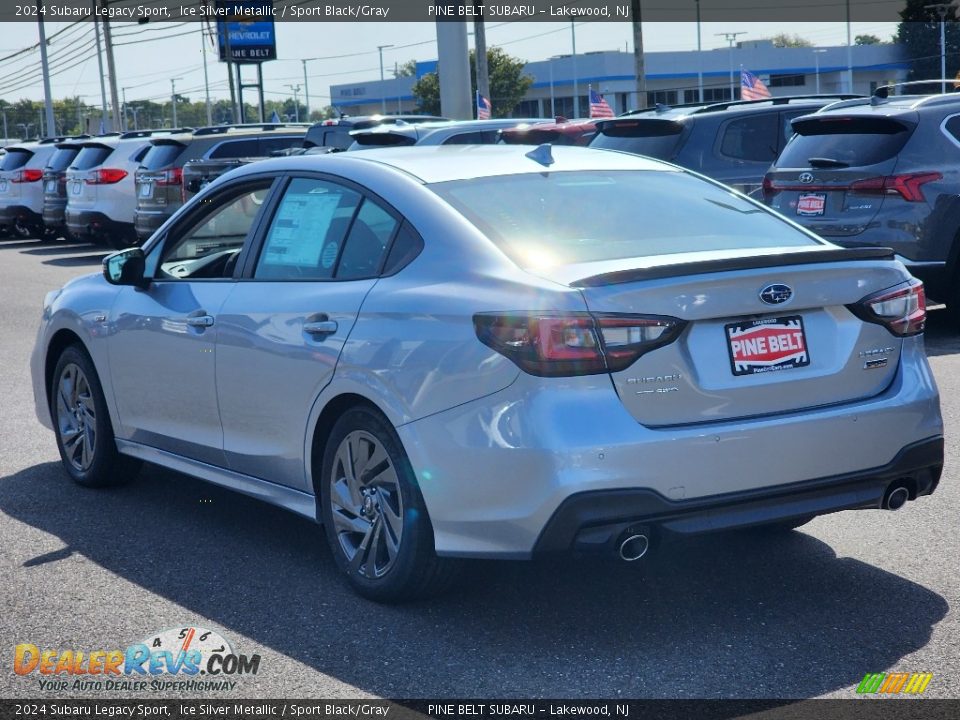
(804,614)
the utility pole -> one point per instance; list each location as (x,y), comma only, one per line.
(849,53)
(383,94)
(573,57)
(114,95)
(638,64)
(206,77)
(48,100)
(306,90)
(103,87)
(699,60)
(941,9)
(454,68)
(3,109)
(816,60)
(480,48)
(296,102)
(731,37)
(123,116)
(173,98)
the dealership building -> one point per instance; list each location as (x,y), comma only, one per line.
(672,77)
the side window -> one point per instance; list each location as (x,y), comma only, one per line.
(406,246)
(468,138)
(307,231)
(786,127)
(209,248)
(367,243)
(235,149)
(952,126)
(752,138)
(270,145)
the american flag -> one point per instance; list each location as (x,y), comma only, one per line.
(752,87)
(484,108)
(598,106)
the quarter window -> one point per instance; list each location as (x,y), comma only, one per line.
(367,243)
(751,138)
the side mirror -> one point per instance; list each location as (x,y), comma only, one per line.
(125,268)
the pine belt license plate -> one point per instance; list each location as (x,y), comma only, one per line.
(811,204)
(767,345)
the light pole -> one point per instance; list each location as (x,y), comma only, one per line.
(553,110)
(941,9)
(383,94)
(573,57)
(730,37)
(27,127)
(296,102)
(816,62)
(699,60)
(306,90)
(134,109)
(173,98)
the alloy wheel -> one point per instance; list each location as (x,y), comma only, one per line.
(76,417)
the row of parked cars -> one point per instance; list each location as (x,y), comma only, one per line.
(859,171)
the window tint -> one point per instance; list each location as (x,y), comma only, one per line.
(270,145)
(139,153)
(91,156)
(655,138)
(557,218)
(406,246)
(236,148)
(14,159)
(786,125)
(307,231)
(62,158)
(209,248)
(369,239)
(161,155)
(854,142)
(337,139)
(751,138)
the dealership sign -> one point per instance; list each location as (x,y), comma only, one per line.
(246,27)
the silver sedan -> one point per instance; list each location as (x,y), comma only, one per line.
(495,352)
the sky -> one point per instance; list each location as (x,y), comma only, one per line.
(147,57)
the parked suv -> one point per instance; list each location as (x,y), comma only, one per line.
(21,189)
(880,171)
(733,142)
(55,186)
(448,132)
(336,133)
(101,195)
(159,180)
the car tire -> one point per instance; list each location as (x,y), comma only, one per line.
(82,424)
(377,525)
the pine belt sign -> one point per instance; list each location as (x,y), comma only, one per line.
(245,30)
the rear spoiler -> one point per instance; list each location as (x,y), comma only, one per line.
(699,267)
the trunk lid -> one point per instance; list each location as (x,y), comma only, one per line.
(829,176)
(11,164)
(805,352)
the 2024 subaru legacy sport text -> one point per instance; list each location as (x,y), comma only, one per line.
(449,353)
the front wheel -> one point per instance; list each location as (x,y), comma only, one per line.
(82,424)
(373,514)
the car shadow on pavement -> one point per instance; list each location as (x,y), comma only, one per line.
(77,260)
(942,336)
(731,615)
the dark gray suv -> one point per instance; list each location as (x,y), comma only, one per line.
(880,171)
(733,142)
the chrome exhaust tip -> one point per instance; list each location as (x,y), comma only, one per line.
(896,497)
(634,547)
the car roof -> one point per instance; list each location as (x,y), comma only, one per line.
(737,106)
(893,106)
(442,163)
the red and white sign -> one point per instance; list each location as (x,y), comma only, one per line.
(763,345)
(811,204)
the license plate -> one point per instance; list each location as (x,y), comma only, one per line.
(811,204)
(3,186)
(146,190)
(51,186)
(767,345)
(77,187)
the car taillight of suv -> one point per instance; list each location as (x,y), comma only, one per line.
(105,176)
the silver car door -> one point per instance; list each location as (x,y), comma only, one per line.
(281,332)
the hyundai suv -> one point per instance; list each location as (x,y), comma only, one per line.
(159,181)
(880,171)
(733,142)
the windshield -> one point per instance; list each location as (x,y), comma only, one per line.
(654,138)
(559,218)
(91,156)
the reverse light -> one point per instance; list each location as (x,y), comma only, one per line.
(901,309)
(575,343)
(27,176)
(105,176)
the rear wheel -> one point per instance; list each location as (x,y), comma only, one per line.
(81,421)
(373,513)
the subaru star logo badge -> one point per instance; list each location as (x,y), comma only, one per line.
(776,294)
(806,178)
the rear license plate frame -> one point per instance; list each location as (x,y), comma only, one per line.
(815,209)
(792,351)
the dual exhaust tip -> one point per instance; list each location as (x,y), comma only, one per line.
(896,496)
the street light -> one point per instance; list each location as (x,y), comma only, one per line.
(730,37)
(173,97)
(816,61)
(296,102)
(383,94)
(134,109)
(573,49)
(941,9)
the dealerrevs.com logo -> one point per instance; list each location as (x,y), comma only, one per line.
(894,683)
(180,659)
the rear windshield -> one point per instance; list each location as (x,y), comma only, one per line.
(382,139)
(534,136)
(655,138)
(161,155)
(62,158)
(90,157)
(560,218)
(845,141)
(14,159)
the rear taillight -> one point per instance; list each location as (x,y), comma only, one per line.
(26,176)
(575,343)
(173,176)
(902,309)
(906,186)
(105,176)
(768,188)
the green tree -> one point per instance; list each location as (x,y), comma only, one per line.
(919,33)
(866,40)
(784,40)
(407,69)
(508,84)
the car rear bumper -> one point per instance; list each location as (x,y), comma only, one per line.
(91,222)
(54,213)
(11,214)
(495,471)
(146,222)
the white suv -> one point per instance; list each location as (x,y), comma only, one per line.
(21,189)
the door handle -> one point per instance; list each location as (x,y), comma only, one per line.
(201,321)
(319,324)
